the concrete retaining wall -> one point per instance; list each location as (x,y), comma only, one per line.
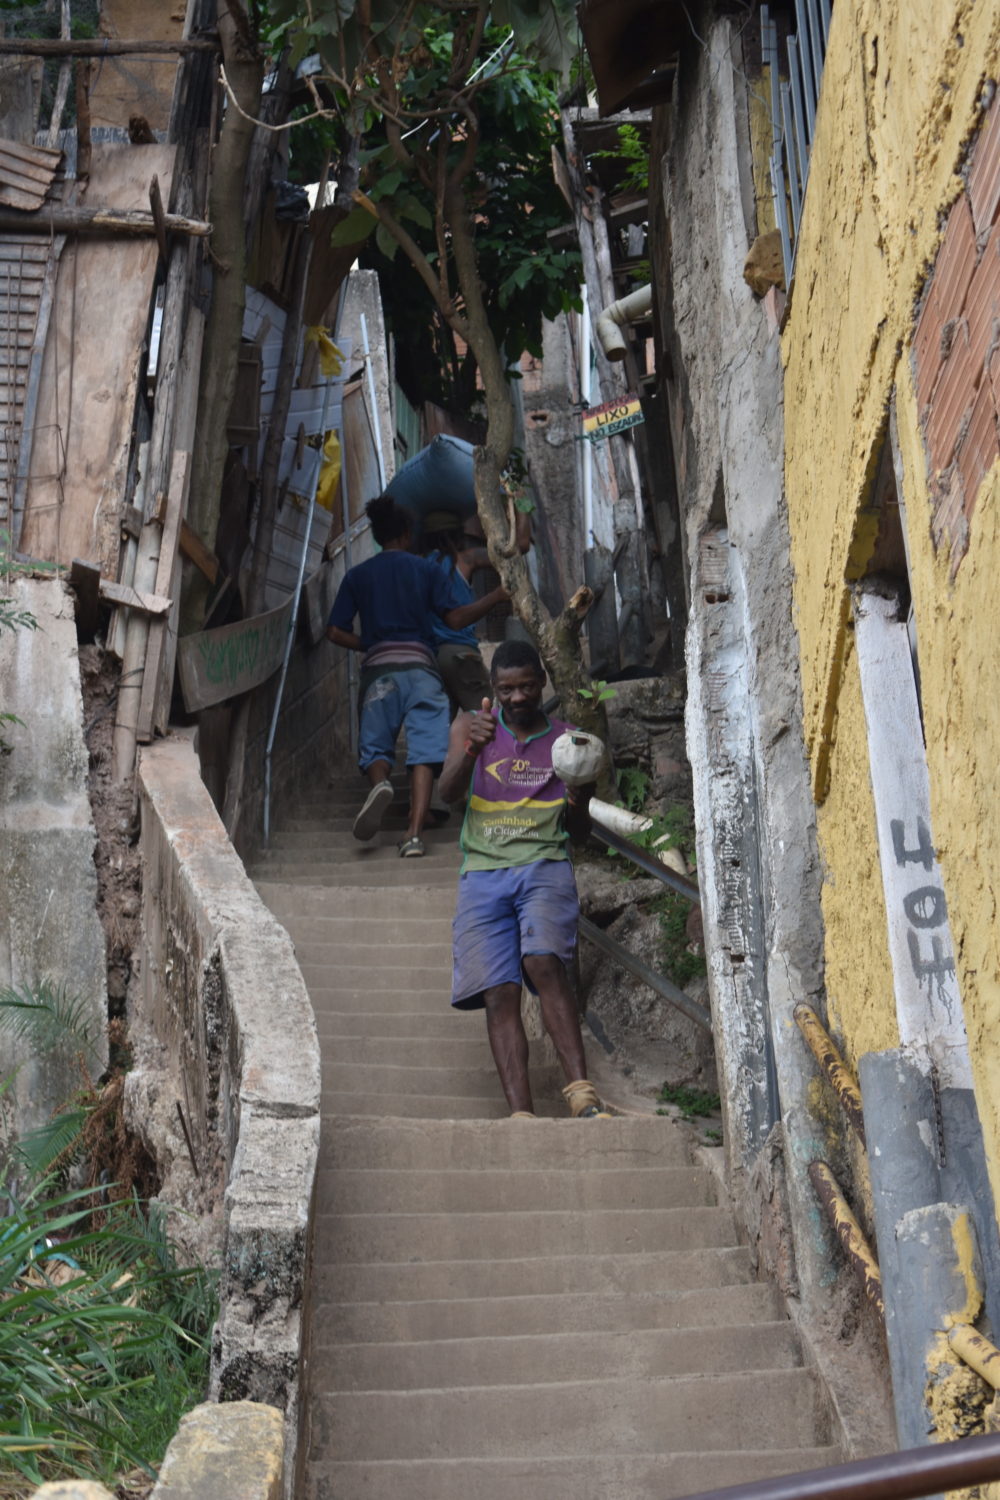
(225,1035)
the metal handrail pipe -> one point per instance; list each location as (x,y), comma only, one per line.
(849,1232)
(647,862)
(977,1352)
(892,1476)
(824,1049)
(663,987)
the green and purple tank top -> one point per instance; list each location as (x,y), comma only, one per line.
(514,814)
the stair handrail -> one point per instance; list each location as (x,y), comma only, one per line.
(646,862)
(907,1475)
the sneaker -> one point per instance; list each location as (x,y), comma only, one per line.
(412,848)
(376,805)
(593,1112)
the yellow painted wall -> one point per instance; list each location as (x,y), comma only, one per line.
(901,99)
(860,1005)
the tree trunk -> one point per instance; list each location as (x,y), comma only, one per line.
(244,70)
(558,640)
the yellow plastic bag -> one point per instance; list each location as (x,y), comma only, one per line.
(331,359)
(329,474)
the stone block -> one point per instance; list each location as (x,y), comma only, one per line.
(232,1451)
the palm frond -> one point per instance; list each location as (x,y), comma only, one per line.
(49,1016)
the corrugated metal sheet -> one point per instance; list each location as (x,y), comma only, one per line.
(26,173)
(27,279)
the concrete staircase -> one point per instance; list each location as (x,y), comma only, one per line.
(505,1310)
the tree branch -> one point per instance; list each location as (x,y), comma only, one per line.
(418,260)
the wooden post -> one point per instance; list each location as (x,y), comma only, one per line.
(82,121)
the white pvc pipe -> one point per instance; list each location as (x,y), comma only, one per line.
(612,319)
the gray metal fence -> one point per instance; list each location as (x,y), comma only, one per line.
(793,111)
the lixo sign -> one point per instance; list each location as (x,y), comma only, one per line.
(600,422)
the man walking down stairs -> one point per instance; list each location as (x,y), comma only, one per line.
(546,1309)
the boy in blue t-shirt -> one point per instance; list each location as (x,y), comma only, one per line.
(396,597)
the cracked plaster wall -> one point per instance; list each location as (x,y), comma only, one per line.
(49,928)
(758,861)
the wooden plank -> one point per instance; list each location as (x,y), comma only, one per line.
(194,549)
(23,46)
(176,498)
(123,593)
(219,664)
(185,420)
(32,386)
(89,381)
(98,221)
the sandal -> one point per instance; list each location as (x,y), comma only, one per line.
(583,1102)
(522,1114)
(412,848)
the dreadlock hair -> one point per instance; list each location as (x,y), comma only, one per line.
(516,654)
(389,521)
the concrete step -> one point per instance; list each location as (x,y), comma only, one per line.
(337,823)
(538,1359)
(303,901)
(543,1313)
(434,999)
(519,1144)
(473,1236)
(319,952)
(349,1191)
(395,1080)
(576,1417)
(434,870)
(335,928)
(373,978)
(423,1052)
(441,1107)
(317,844)
(431,1024)
(528,1281)
(632,1476)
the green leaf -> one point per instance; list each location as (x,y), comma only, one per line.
(385,242)
(412,209)
(353,230)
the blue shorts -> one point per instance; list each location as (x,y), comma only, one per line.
(506,915)
(415,699)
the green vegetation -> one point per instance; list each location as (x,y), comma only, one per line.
(633,787)
(104,1340)
(692,1103)
(633,153)
(678,961)
(598,692)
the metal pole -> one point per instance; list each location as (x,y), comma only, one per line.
(804,45)
(793,173)
(293,620)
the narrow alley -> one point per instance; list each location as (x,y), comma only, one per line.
(504,1308)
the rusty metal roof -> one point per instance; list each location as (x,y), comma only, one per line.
(26,173)
(632,46)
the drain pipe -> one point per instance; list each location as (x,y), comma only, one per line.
(609,322)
